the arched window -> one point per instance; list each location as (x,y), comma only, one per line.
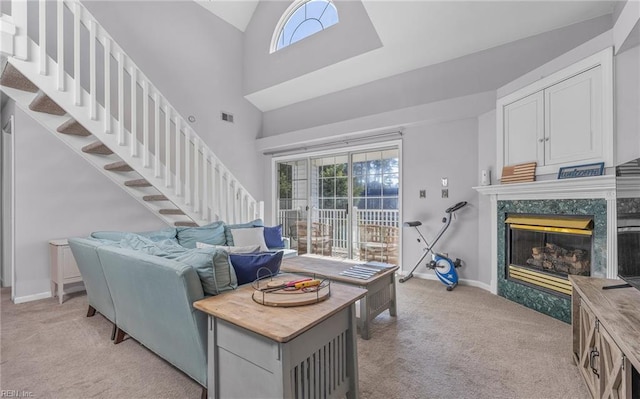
(302,19)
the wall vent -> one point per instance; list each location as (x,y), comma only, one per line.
(227,117)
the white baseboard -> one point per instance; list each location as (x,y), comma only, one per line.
(43,295)
(34,297)
(471,283)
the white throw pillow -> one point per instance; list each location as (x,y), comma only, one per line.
(249,236)
(232,250)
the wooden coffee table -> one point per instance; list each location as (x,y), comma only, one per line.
(381,288)
(257,351)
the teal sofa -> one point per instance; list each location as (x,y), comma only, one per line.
(146,284)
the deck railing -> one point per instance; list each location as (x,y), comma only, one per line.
(339,222)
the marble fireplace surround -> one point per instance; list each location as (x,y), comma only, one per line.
(588,188)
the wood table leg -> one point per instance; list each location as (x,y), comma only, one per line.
(392,302)
(364,317)
(352,355)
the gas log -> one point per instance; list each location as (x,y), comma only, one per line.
(557,259)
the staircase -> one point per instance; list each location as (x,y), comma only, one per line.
(120,122)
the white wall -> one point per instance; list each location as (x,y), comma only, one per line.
(196,60)
(627,103)
(487,148)
(483,71)
(5,211)
(58,195)
(429,153)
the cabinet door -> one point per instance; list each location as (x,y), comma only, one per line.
(615,369)
(573,119)
(588,349)
(524,130)
(70,268)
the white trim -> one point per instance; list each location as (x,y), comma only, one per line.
(612,236)
(12,206)
(347,148)
(467,282)
(602,58)
(30,298)
(586,187)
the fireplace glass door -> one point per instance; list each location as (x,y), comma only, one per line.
(542,252)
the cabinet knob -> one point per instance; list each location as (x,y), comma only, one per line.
(540,140)
(546,139)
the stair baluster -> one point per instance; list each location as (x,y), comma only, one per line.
(42,36)
(60,44)
(208,191)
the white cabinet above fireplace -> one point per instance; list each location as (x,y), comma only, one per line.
(563,119)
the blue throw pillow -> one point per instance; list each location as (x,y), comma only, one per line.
(212,233)
(247,265)
(273,237)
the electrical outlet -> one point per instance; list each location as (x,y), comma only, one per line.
(423,193)
(445,193)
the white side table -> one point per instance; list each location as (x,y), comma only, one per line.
(64,269)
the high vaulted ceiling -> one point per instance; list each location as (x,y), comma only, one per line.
(417,34)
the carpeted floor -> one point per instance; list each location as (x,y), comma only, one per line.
(461,344)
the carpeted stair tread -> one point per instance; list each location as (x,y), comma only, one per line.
(13,78)
(137,183)
(156,197)
(97,148)
(73,127)
(120,166)
(171,212)
(185,224)
(44,103)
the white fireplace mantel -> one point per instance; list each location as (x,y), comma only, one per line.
(579,188)
(586,187)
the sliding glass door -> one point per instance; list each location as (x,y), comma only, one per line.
(292,201)
(351,206)
(376,208)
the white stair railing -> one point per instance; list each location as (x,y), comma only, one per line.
(162,148)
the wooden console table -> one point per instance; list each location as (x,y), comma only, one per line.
(381,288)
(606,336)
(257,351)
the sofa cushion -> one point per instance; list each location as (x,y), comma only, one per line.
(249,236)
(247,266)
(213,233)
(228,228)
(273,237)
(154,235)
(148,246)
(232,250)
(213,267)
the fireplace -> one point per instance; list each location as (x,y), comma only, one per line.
(543,250)
(535,296)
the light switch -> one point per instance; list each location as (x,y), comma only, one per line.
(445,182)
(445,193)
(423,193)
